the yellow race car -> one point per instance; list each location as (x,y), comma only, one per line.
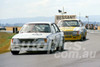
(73,29)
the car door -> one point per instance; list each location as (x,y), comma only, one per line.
(57,35)
(53,36)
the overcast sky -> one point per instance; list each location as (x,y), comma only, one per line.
(35,8)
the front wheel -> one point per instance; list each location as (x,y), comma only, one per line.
(15,52)
(82,38)
(51,48)
(61,48)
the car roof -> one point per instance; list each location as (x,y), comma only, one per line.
(39,22)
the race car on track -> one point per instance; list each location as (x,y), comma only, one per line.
(38,36)
(73,29)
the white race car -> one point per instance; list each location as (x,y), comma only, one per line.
(38,36)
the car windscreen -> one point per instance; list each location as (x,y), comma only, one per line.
(40,28)
(69,23)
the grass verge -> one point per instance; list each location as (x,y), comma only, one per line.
(5,39)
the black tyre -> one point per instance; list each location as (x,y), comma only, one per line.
(51,50)
(58,48)
(62,47)
(15,52)
(84,37)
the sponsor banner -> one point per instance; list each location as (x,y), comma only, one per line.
(59,17)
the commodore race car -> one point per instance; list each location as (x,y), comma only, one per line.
(38,36)
(73,29)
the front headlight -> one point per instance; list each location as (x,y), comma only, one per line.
(75,33)
(45,40)
(14,40)
(42,40)
(11,40)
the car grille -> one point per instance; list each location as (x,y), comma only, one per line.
(27,40)
(68,36)
(68,33)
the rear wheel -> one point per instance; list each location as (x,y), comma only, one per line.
(15,52)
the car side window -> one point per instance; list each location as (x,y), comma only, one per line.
(56,28)
(53,29)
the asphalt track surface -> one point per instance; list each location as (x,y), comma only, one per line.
(88,55)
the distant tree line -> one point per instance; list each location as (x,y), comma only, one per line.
(11,25)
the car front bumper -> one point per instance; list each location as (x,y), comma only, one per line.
(29,47)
